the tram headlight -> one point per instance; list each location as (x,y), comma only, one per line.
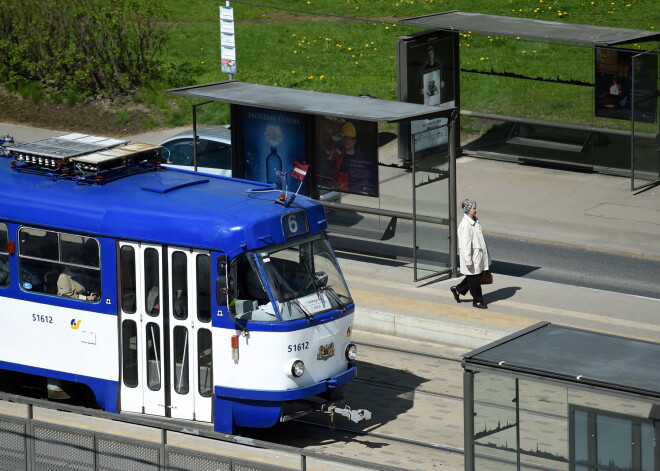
(298,368)
(351,352)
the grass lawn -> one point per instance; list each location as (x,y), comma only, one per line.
(290,46)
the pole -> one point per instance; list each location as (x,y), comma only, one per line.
(453,243)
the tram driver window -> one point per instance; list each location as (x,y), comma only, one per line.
(4,257)
(59,264)
(251,300)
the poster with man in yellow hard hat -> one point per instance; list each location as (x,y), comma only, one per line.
(347,155)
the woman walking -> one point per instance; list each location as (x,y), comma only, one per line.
(473,254)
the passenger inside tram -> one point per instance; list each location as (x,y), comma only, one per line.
(69,286)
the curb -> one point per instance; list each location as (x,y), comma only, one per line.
(426,330)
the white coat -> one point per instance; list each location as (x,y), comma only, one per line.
(472,248)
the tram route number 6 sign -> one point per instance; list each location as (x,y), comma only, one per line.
(294,224)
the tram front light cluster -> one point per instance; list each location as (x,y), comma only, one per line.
(351,352)
(298,368)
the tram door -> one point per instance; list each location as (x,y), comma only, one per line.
(189,331)
(142,329)
(166,331)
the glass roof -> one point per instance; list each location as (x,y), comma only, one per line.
(528,28)
(554,351)
(312,102)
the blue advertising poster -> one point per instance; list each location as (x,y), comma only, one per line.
(273,141)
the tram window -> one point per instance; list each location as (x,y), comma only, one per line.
(181,376)
(203,275)
(59,264)
(152,282)
(180,285)
(129,353)
(127,272)
(4,257)
(205,362)
(154,363)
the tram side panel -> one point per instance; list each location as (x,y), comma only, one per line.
(64,339)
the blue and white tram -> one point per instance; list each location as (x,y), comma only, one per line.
(166,292)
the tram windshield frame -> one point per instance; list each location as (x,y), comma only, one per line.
(292,281)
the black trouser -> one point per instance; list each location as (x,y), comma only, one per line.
(473,284)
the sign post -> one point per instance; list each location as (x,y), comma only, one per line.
(227,40)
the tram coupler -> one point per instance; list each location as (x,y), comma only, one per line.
(356,415)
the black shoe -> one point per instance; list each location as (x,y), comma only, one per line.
(455,293)
(480,305)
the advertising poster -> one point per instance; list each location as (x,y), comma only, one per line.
(273,141)
(615,69)
(346,155)
(427,77)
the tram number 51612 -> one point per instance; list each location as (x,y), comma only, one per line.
(299,347)
(42,318)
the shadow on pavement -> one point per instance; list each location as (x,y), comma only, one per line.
(501,294)
(386,403)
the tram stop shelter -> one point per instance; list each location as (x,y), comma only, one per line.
(407,213)
(526,81)
(559,398)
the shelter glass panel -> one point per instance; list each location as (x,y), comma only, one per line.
(495,425)
(543,425)
(645,160)
(431,203)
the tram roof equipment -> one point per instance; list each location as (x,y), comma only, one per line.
(89,159)
(148,202)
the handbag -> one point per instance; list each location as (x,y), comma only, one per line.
(486,277)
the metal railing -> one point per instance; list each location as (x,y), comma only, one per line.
(37,435)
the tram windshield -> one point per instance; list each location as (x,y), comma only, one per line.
(304,280)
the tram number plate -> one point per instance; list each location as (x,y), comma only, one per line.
(295,224)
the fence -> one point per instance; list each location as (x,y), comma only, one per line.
(35,437)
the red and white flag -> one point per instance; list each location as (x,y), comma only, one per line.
(299,171)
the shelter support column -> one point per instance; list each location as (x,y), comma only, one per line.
(453,243)
(468,419)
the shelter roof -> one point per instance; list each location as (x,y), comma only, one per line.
(558,352)
(530,28)
(312,102)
